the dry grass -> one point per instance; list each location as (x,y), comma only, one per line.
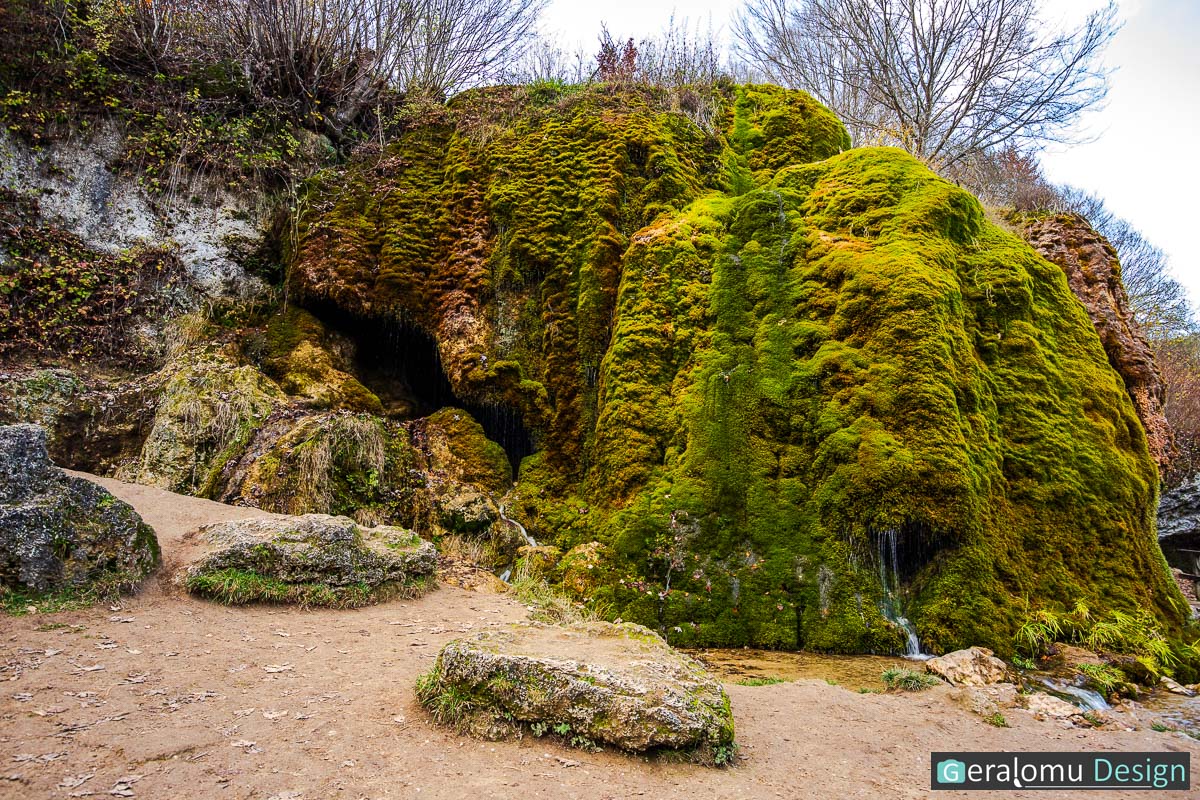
(350,443)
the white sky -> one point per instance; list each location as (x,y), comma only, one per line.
(1144,159)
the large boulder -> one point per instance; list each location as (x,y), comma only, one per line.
(59,532)
(312,560)
(975,666)
(599,682)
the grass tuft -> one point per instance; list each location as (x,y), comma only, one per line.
(771,681)
(908,680)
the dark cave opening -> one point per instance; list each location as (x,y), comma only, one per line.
(400,363)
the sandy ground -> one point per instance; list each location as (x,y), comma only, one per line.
(165,696)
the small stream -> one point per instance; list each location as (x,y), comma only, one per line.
(506,574)
(864,672)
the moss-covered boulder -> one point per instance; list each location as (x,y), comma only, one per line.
(797,391)
(60,533)
(210,405)
(591,683)
(311,560)
(436,474)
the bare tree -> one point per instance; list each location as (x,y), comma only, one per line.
(940,78)
(1179,361)
(323,59)
(546,61)
(330,59)
(462,43)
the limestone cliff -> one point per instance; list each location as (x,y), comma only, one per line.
(1094,274)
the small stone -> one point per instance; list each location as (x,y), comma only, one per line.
(1044,705)
(1174,687)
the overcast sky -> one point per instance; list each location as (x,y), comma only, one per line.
(1145,156)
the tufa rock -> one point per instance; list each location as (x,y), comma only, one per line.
(975,666)
(1044,705)
(1094,274)
(538,561)
(583,568)
(850,339)
(59,532)
(464,509)
(313,560)
(615,684)
(1174,687)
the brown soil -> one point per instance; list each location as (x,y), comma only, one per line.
(165,696)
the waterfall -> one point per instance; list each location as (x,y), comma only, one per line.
(892,607)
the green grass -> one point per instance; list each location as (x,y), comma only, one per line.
(1137,634)
(760,681)
(550,603)
(996,719)
(1104,678)
(239,587)
(908,680)
(17,603)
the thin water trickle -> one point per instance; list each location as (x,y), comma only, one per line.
(506,575)
(892,607)
(529,540)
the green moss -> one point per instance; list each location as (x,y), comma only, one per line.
(749,358)
(300,356)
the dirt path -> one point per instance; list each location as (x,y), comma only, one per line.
(166,696)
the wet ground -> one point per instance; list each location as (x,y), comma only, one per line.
(742,665)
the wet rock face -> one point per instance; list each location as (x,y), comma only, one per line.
(59,532)
(1094,274)
(1179,511)
(314,559)
(975,666)
(615,684)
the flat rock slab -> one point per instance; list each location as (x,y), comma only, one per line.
(314,559)
(599,682)
(63,533)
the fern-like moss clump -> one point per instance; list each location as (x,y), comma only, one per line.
(761,370)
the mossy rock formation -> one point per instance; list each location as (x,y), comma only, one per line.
(759,371)
(591,683)
(311,560)
(62,534)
